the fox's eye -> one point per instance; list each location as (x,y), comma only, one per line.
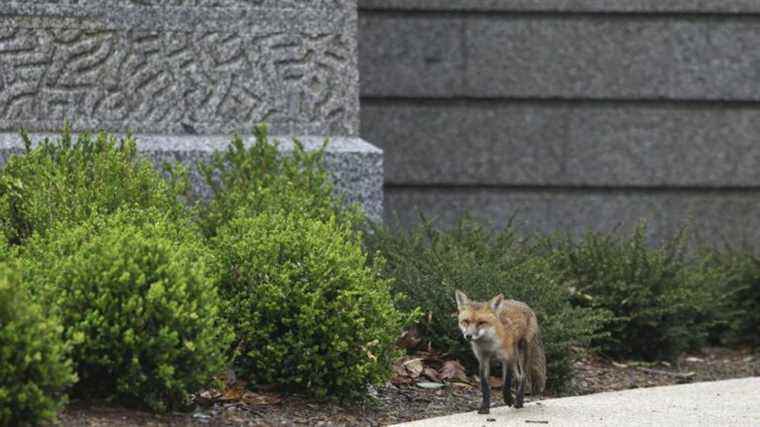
(465,323)
(481,324)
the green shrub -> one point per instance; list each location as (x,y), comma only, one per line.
(429,263)
(6,253)
(67,181)
(136,293)
(658,294)
(260,178)
(736,299)
(34,371)
(308,311)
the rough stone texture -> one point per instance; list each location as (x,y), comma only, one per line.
(172,70)
(411,56)
(714,215)
(121,65)
(565,143)
(576,6)
(356,166)
(559,56)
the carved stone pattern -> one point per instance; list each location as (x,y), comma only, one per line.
(156,82)
(205,3)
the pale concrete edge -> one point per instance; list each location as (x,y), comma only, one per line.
(209,144)
(625,407)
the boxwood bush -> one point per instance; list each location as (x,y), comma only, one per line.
(259,177)
(34,369)
(136,293)
(308,310)
(428,263)
(67,180)
(658,294)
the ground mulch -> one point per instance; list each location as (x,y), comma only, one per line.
(406,400)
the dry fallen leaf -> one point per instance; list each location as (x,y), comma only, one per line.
(432,374)
(251,398)
(452,370)
(410,339)
(495,382)
(233,394)
(207,397)
(400,374)
(414,367)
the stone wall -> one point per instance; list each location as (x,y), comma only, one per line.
(183,75)
(572,114)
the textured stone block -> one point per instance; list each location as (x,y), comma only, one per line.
(356,166)
(211,66)
(409,55)
(577,6)
(181,73)
(561,56)
(565,143)
(714,216)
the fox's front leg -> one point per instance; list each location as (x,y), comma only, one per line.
(485,406)
(506,382)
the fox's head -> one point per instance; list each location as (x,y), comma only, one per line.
(478,320)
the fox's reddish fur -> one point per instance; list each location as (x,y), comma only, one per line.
(505,330)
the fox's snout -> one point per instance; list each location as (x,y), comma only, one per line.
(468,337)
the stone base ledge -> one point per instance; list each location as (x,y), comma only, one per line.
(356,165)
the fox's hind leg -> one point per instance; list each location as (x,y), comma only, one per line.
(520,364)
(506,383)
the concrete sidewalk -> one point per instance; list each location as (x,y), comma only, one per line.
(720,403)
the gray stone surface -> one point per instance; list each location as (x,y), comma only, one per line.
(579,6)
(715,215)
(574,113)
(565,143)
(223,67)
(566,56)
(411,56)
(356,166)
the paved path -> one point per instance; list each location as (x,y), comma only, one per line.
(720,403)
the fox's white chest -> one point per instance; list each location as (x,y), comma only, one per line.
(486,349)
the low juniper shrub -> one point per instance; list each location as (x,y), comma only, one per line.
(428,263)
(658,294)
(736,297)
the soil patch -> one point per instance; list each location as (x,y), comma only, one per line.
(420,397)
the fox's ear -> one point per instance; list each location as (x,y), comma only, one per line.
(496,302)
(461,298)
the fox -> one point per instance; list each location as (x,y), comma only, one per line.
(505,330)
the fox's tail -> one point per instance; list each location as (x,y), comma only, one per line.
(536,365)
